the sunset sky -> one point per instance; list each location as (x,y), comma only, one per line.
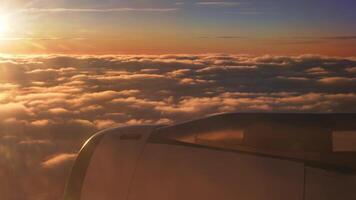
(69,68)
(255,27)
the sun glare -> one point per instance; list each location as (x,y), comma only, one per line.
(4,25)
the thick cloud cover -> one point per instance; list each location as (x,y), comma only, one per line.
(49,105)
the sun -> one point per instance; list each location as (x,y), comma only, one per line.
(4,25)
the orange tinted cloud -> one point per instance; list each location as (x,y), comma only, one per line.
(57,160)
(50,104)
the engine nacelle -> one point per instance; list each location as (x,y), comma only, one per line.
(226,157)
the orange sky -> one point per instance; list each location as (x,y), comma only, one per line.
(180,45)
(161,27)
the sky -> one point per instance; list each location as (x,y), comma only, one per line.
(254,27)
(69,68)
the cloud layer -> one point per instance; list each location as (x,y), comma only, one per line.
(49,105)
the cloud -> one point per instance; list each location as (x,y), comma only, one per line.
(103,95)
(58,111)
(95,10)
(218,3)
(248,12)
(82,122)
(317,71)
(13,109)
(7,86)
(351,70)
(50,104)
(59,160)
(179,72)
(41,123)
(9,38)
(35,142)
(337,80)
(230,37)
(102,124)
(129,77)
